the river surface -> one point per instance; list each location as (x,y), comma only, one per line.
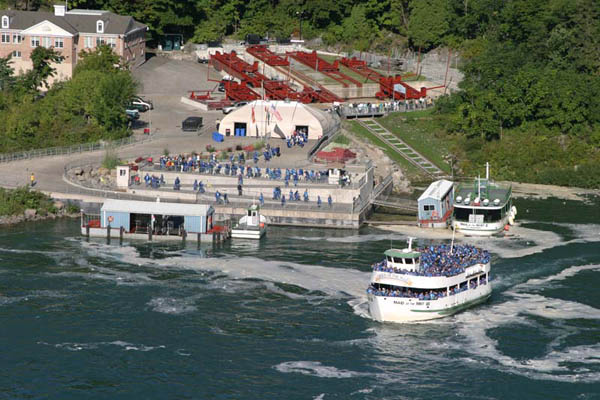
(286,318)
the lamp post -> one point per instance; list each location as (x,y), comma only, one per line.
(300,14)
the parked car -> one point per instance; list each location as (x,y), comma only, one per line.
(132,114)
(136,106)
(142,101)
(228,109)
(191,124)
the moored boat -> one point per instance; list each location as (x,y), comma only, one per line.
(433,282)
(253,225)
(482,207)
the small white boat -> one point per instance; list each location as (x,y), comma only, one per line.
(434,282)
(253,225)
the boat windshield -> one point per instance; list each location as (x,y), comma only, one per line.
(440,261)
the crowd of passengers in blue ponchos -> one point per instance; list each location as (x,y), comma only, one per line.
(440,261)
(423,295)
(237,166)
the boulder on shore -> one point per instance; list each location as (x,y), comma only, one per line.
(30,213)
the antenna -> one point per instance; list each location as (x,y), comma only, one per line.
(487,171)
(479,187)
(452,245)
(410,240)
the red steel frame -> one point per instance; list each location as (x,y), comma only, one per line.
(275,90)
(263,53)
(315,62)
(238,68)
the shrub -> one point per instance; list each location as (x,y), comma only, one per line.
(259,145)
(111,160)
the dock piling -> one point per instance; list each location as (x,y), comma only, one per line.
(108,234)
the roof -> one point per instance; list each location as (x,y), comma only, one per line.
(155,208)
(402,253)
(74,21)
(437,190)
(488,189)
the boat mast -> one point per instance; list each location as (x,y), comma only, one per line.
(487,171)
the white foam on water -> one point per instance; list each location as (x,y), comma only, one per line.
(562,275)
(583,232)
(315,368)
(474,324)
(170,305)
(320,397)
(331,281)
(126,346)
(372,237)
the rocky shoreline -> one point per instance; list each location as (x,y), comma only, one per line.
(32,214)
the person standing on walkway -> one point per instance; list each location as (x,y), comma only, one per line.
(261,198)
(319,201)
(239,188)
(330,201)
(32,179)
(282,200)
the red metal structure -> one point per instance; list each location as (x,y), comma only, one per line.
(263,53)
(238,68)
(240,92)
(386,83)
(386,89)
(315,62)
(360,67)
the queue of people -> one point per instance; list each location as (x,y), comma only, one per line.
(441,260)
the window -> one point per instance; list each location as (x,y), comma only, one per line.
(112,42)
(88,42)
(5,21)
(59,43)
(100,41)
(428,208)
(47,42)
(17,39)
(16,54)
(35,41)
(5,38)
(99,27)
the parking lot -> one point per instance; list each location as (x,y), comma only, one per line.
(164,81)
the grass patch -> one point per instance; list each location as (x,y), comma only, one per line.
(410,170)
(424,132)
(341,139)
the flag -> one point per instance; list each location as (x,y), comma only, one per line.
(276,113)
(253,117)
(268,115)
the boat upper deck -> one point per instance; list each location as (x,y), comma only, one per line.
(489,191)
(440,261)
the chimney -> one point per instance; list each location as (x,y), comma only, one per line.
(59,10)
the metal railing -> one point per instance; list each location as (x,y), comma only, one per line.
(76,148)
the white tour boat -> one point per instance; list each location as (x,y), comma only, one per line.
(434,282)
(253,225)
(482,207)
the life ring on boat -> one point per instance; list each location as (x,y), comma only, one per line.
(111,218)
(434,214)
(513,210)
(511,220)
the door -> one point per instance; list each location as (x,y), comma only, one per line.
(239,128)
(302,129)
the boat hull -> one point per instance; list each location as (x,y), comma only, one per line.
(247,233)
(399,309)
(474,229)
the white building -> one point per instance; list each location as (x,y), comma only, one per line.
(263,118)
